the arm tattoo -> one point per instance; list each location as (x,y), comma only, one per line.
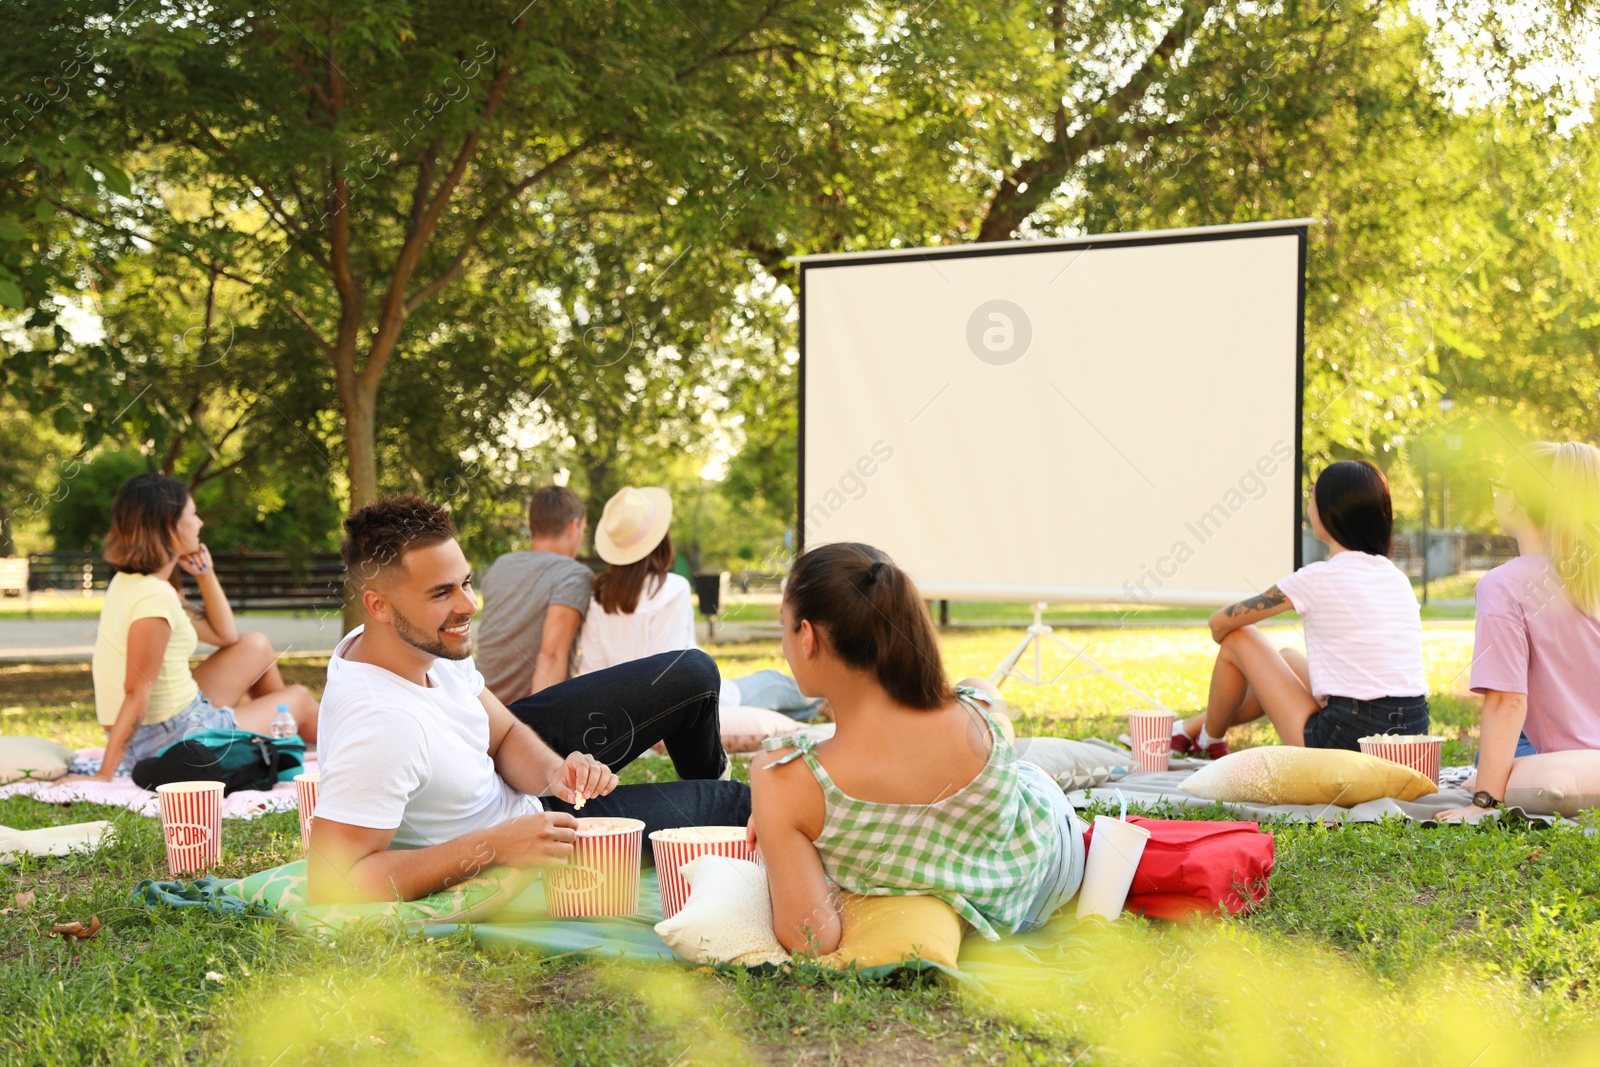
(1270,599)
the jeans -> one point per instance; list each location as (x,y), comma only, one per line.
(1345,720)
(616,713)
(667,805)
(1066,870)
(775,691)
(199,714)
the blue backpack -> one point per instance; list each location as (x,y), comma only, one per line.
(238,759)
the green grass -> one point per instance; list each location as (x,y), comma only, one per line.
(1451,587)
(1001,613)
(1361,913)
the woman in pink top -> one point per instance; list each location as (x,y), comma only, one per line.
(1362,671)
(1536,652)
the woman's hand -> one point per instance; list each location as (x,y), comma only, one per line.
(1458,814)
(196,563)
(581,775)
(101,777)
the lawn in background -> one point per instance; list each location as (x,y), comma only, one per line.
(1499,919)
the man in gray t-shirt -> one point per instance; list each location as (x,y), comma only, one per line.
(534,602)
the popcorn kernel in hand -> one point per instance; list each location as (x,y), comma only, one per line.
(577,805)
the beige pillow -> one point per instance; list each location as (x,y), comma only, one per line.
(32,757)
(1284,774)
(1555,783)
(744,728)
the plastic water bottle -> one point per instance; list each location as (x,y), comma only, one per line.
(283,724)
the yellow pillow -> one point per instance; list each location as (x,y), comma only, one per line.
(1282,774)
(880,930)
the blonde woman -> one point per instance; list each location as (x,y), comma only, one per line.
(1536,652)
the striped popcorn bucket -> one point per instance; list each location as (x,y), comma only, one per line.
(1420,752)
(1151,733)
(305,798)
(674,848)
(191,822)
(603,876)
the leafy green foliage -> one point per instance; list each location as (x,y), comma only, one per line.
(453,247)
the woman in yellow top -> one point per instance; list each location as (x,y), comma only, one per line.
(145,695)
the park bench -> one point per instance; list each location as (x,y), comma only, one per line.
(254,581)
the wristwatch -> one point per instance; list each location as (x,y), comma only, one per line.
(1484,799)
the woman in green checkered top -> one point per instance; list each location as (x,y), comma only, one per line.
(918,791)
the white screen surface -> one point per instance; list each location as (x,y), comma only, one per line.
(1107,420)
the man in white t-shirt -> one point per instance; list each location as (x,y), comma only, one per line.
(427,778)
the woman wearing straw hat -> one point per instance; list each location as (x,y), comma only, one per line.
(641,608)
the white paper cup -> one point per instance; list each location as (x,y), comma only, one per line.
(305,798)
(675,848)
(191,823)
(1114,853)
(1151,734)
(603,876)
(1420,752)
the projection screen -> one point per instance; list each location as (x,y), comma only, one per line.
(1095,419)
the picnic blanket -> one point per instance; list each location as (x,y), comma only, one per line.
(121,792)
(1164,789)
(512,908)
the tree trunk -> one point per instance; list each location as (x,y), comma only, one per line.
(8,546)
(597,468)
(361,462)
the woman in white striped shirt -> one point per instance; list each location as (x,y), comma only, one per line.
(1362,671)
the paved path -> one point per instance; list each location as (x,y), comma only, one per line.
(57,640)
(72,640)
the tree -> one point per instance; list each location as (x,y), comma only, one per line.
(384,150)
(34,462)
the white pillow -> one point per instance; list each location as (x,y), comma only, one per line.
(1075,764)
(728,918)
(32,757)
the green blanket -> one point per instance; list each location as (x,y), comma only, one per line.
(506,908)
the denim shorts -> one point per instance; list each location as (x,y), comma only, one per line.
(200,714)
(1066,867)
(1343,721)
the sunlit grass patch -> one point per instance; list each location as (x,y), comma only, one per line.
(1379,944)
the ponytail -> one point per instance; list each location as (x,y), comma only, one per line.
(1559,487)
(870,615)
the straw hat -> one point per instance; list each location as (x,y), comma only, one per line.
(633,524)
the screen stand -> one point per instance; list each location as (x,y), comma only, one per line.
(1036,636)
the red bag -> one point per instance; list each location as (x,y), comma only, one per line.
(1191,869)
